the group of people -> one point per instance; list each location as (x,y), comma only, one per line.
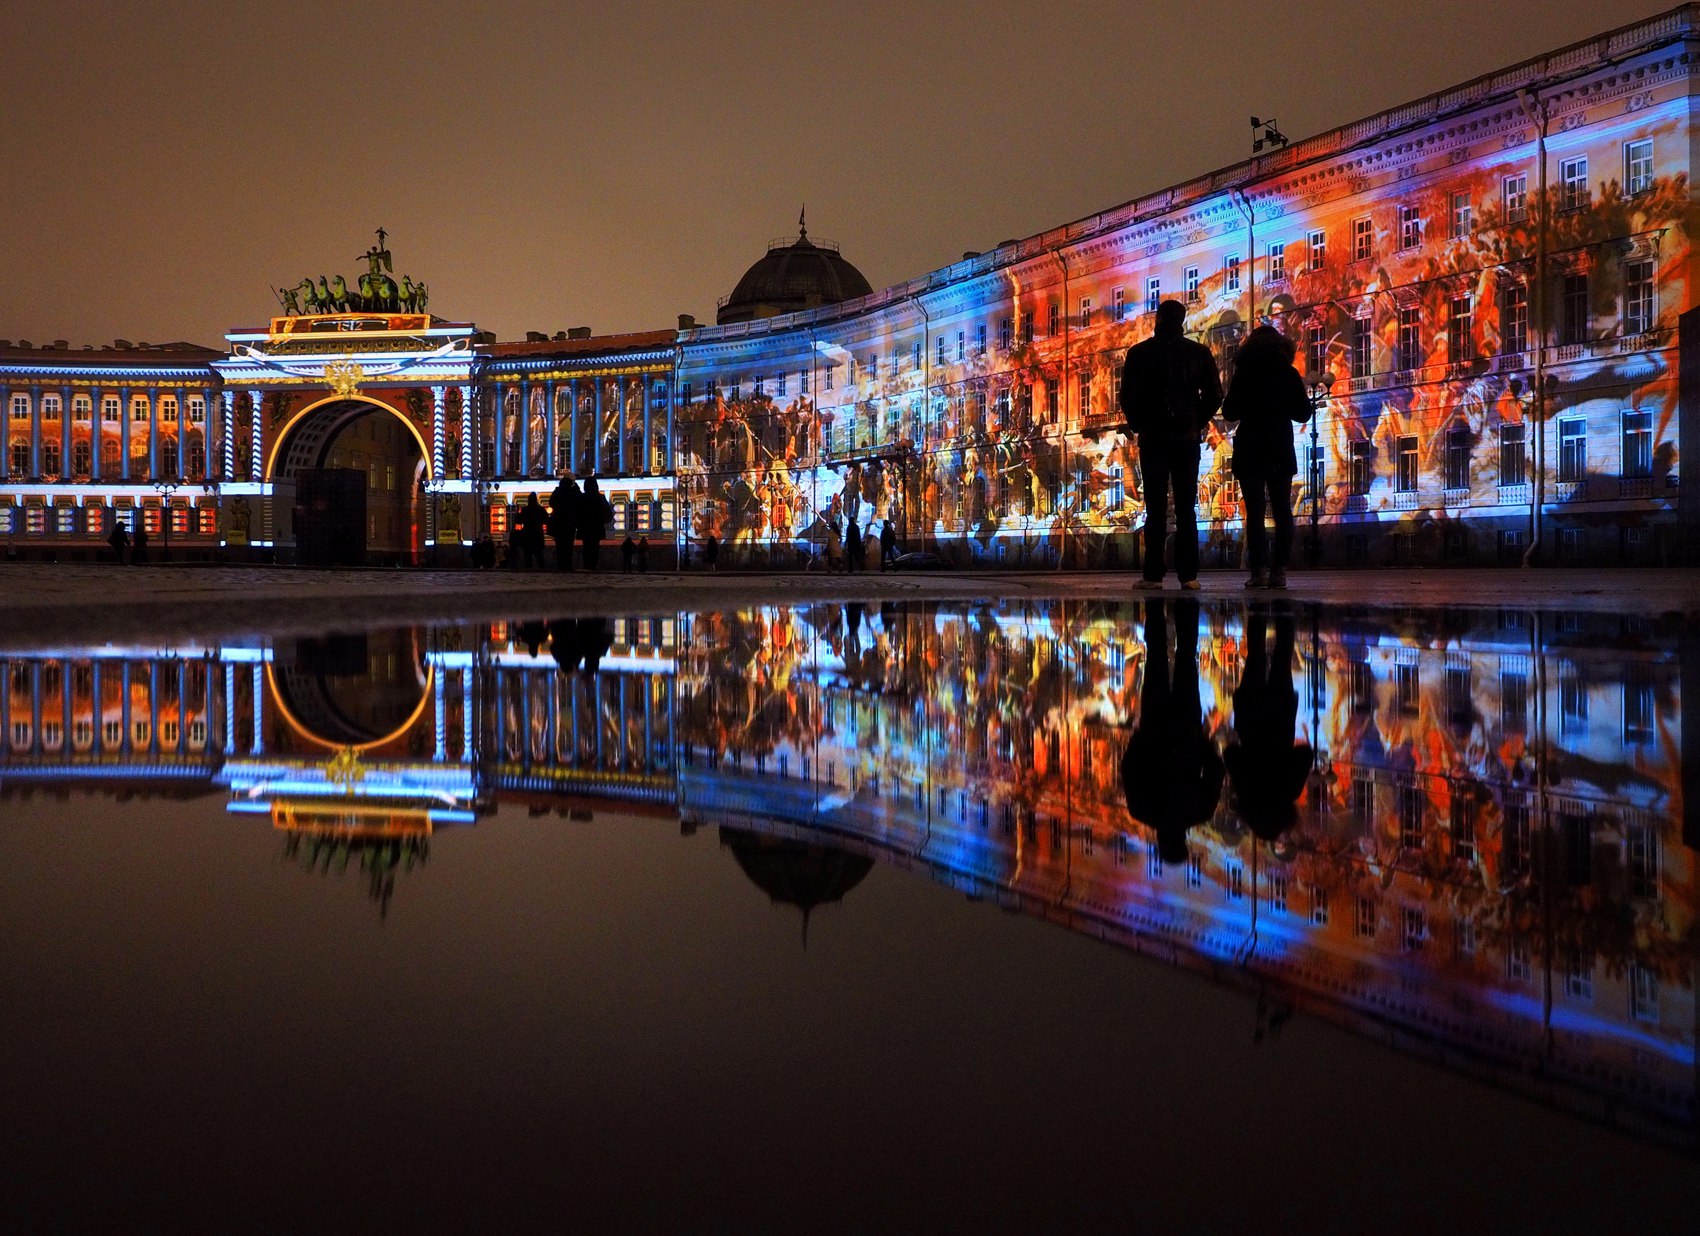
(127,545)
(1170,391)
(573,515)
(1171,770)
(847,551)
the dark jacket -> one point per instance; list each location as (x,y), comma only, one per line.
(1267,397)
(594,512)
(1170,387)
(529,523)
(563,511)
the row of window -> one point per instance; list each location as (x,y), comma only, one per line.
(82,408)
(65,519)
(111,458)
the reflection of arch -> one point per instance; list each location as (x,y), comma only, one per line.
(319,423)
(280,698)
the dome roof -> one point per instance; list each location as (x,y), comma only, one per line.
(792,275)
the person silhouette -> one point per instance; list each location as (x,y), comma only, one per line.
(1171,772)
(1267,767)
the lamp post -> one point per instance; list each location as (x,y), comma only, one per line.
(165,488)
(899,453)
(1313,471)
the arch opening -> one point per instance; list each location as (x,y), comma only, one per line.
(348,483)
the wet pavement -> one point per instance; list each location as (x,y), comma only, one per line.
(1021,912)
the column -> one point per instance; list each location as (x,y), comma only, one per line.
(67,713)
(229,710)
(6,704)
(648,425)
(551,430)
(183,435)
(65,422)
(620,420)
(466,442)
(124,433)
(672,402)
(97,432)
(439,691)
(462,678)
(257,462)
(153,432)
(99,747)
(35,708)
(35,431)
(497,412)
(596,427)
(182,675)
(524,678)
(209,704)
(153,707)
(258,746)
(525,442)
(439,400)
(649,686)
(227,435)
(572,427)
(127,744)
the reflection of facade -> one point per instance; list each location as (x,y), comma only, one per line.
(1495,278)
(1491,862)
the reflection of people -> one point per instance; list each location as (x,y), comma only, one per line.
(1170,390)
(1267,397)
(1171,772)
(1266,769)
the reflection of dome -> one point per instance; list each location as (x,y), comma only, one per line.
(793,275)
(794,874)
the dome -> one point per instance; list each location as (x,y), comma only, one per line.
(792,275)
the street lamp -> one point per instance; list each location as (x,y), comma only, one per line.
(1318,400)
(165,488)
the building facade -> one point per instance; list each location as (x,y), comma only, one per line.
(1490,290)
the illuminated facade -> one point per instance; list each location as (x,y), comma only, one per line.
(1496,281)
(1492,863)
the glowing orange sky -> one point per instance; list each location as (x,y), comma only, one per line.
(550,165)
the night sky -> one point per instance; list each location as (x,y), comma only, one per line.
(551,165)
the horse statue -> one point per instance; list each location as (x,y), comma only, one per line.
(327,303)
(339,293)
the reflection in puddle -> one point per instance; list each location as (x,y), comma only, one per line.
(1459,833)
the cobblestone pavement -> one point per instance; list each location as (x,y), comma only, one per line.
(60,601)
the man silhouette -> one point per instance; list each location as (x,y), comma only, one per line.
(1171,773)
(1170,390)
(1266,768)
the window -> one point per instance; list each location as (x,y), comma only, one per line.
(81,456)
(1085,394)
(139,409)
(1317,365)
(1638,166)
(1573,183)
(1642,860)
(1085,312)
(1277,262)
(1514,194)
(1463,825)
(1457,464)
(1363,925)
(1643,993)
(1189,279)
(1513,462)
(1517,967)
(1463,216)
(1574,316)
(1278,893)
(961,345)
(20,407)
(1460,330)
(1118,303)
(109,408)
(111,458)
(1639,311)
(168,409)
(1406,465)
(197,410)
(1006,335)
(1363,239)
(82,409)
(50,457)
(1579,974)
(1513,700)
(1316,249)
(939,350)
(915,357)
(1153,294)
(1572,448)
(1231,273)
(1638,442)
(1363,455)
(1638,710)
(1362,346)
(1410,228)
(1408,346)
(50,407)
(1514,319)
(1416,928)
(1055,319)
(1319,907)
(1053,401)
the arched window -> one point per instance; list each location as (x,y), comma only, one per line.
(197,458)
(80,457)
(20,458)
(168,456)
(50,458)
(111,461)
